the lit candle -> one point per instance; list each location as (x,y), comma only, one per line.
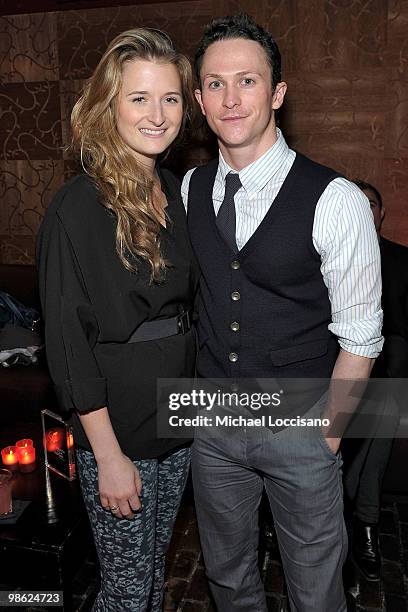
(26,458)
(24,442)
(70,439)
(9,457)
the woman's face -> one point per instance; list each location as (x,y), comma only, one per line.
(150,107)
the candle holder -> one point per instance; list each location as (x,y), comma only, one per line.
(26,458)
(9,457)
(58,444)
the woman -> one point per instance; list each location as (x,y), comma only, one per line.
(117,280)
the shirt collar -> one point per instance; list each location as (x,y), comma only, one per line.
(255,176)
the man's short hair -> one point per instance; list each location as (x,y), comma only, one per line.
(239,26)
(366,186)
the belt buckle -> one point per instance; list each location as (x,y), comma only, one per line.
(184,322)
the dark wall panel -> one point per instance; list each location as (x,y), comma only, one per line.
(345,61)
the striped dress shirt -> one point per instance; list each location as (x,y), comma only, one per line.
(343,234)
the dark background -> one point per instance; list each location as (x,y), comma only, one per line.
(345,62)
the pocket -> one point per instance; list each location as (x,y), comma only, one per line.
(324,444)
(300,352)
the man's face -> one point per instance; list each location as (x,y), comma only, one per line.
(376,208)
(236,95)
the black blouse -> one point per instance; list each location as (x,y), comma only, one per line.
(92,305)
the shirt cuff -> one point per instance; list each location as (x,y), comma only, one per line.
(368,350)
(82,395)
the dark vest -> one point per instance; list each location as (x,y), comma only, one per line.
(265,311)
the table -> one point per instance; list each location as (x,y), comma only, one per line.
(48,544)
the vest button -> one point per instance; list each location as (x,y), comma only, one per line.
(235,265)
(233,357)
(235,296)
(235,326)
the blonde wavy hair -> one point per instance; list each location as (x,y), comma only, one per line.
(124,186)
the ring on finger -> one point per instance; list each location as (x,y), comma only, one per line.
(114,508)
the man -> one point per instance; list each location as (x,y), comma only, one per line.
(364,475)
(289,261)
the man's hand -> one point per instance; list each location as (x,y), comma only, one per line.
(343,400)
(332,443)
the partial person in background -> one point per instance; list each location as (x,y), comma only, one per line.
(364,475)
(117,281)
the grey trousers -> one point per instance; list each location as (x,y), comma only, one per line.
(302,478)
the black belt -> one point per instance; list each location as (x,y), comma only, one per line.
(162,328)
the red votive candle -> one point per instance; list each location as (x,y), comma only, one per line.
(26,458)
(9,457)
(24,442)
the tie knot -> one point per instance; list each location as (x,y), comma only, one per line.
(232,184)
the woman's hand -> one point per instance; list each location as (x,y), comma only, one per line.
(120,485)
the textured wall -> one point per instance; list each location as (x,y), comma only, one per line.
(345,61)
